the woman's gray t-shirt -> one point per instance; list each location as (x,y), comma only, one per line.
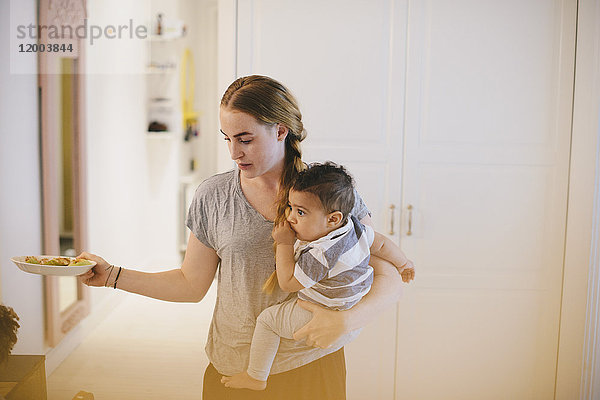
(222,219)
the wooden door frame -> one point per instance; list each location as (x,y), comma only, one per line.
(58,323)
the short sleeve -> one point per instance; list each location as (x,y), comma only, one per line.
(199,215)
(311,267)
(360,209)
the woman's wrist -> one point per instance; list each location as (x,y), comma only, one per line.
(110,270)
(113,276)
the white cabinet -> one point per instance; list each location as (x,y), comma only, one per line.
(487,145)
(462,111)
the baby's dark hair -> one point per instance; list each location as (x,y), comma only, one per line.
(331,183)
(8,331)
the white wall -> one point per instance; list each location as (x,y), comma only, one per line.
(133,179)
(116,162)
(20,204)
(227,62)
(116,147)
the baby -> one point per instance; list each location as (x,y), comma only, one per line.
(323,254)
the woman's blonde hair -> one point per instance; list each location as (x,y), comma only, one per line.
(272,103)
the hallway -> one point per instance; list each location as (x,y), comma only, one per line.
(145,349)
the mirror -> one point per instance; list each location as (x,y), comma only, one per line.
(62,132)
(67,285)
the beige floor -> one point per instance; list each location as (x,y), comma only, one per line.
(145,349)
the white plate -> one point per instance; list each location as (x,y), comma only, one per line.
(51,269)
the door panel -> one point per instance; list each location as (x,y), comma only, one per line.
(347,71)
(341,60)
(489,91)
(462,110)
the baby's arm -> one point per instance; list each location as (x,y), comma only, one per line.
(384,248)
(285,237)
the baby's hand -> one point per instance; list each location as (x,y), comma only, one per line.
(283,233)
(407,272)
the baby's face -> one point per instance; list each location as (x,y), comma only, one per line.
(307,216)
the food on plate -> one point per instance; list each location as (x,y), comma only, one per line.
(32,260)
(79,262)
(57,261)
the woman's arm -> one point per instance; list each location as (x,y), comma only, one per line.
(327,326)
(186,284)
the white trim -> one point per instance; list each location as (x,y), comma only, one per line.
(590,378)
(574,377)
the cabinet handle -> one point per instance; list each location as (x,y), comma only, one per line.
(392,208)
(409,231)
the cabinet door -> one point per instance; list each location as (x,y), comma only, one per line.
(461,110)
(339,59)
(489,96)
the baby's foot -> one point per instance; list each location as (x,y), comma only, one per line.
(243,381)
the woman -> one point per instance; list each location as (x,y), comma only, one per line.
(231,219)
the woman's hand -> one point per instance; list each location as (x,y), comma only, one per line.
(325,327)
(98,275)
(284,234)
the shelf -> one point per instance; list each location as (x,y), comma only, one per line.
(166,105)
(167,37)
(161,100)
(161,70)
(160,135)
